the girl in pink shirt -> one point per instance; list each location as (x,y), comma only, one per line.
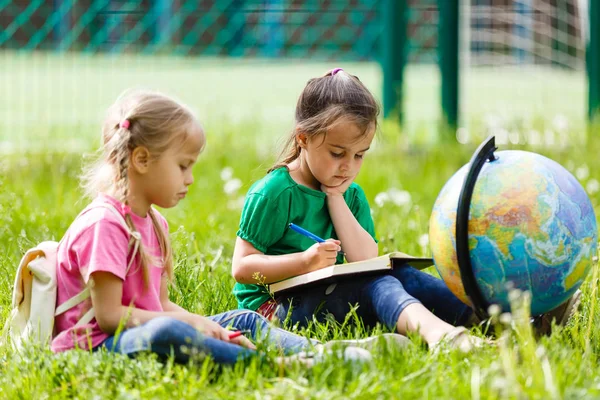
(119,246)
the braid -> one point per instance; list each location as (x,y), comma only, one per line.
(121,151)
(165,245)
(138,119)
(145,258)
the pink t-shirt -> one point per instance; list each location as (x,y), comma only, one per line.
(97,241)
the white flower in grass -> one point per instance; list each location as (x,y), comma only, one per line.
(582,173)
(412,224)
(549,138)
(462,135)
(501,136)
(592,186)
(382,198)
(493,121)
(236,204)
(534,137)
(506,318)
(424,240)
(494,310)
(232,186)
(400,198)
(560,123)
(226,173)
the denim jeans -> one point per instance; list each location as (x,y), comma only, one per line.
(167,336)
(380,298)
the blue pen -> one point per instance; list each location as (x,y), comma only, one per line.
(310,235)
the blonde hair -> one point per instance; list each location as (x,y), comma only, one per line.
(323,102)
(138,118)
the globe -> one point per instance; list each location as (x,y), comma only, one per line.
(530,223)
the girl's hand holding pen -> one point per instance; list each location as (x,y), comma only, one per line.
(321,255)
(314,237)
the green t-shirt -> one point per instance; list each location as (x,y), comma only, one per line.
(271,205)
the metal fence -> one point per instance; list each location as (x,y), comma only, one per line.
(334,29)
(493,32)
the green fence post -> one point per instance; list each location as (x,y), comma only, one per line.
(163,14)
(448,60)
(593,63)
(394,56)
(63,22)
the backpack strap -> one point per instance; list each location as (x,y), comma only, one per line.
(135,239)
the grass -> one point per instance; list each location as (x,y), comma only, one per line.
(39,198)
(57,100)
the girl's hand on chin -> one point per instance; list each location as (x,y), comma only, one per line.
(337,190)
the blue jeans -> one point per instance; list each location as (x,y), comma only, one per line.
(380,298)
(167,336)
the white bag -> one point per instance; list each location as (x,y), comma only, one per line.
(34,293)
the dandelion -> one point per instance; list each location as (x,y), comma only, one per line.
(236,204)
(226,174)
(501,136)
(560,123)
(582,173)
(424,240)
(505,318)
(493,121)
(232,186)
(514,295)
(382,198)
(494,310)
(399,197)
(462,135)
(592,186)
(549,138)
(534,137)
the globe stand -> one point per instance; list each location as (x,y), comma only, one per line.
(484,153)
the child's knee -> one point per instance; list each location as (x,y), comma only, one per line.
(250,317)
(256,319)
(385,282)
(166,327)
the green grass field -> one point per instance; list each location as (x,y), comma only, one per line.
(57,100)
(51,108)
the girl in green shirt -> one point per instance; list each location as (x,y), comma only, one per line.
(313,187)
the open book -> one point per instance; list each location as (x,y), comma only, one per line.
(339,271)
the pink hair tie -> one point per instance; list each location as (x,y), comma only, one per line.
(335,71)
(124,124)
(125,209)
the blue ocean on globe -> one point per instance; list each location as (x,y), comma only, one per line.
(531,223)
